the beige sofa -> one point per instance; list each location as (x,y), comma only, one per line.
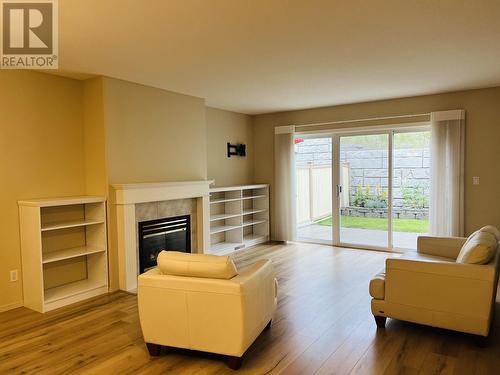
(200,302)
(430,287)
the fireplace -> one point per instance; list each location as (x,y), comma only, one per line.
(173,233)
(140,202)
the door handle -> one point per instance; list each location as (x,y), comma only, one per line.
(339,190)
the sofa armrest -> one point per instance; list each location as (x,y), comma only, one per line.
(257,272)
(448,247)
(259,297)
(441,286)
(259,292)
(436,266)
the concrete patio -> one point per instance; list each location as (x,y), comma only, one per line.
(369,237)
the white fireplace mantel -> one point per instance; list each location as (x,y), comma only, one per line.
(159,191)
(124,197)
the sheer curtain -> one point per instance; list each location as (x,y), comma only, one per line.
(446,211)
(284,184)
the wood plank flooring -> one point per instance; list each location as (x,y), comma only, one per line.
(323,325)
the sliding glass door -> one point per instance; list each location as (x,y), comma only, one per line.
(313,170)
(411,181)
(364,189)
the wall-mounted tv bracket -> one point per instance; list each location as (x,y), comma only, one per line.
(236,150)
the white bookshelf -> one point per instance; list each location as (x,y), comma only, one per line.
(239,217)
(64,250)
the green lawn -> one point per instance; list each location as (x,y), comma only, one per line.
(400,225)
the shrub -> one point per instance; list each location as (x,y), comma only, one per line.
(364,197)
(414,197)
(360,198)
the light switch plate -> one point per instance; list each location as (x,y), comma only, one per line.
(13,275)
(475,180)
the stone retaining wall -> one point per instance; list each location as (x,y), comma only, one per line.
(369,167)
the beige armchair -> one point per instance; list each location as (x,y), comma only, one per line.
(199,302)
(431,287)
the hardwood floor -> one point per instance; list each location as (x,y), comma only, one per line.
(323,325)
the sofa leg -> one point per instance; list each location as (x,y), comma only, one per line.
(268,325)
(481,341)
(380,321)
(153,349)
(234,363)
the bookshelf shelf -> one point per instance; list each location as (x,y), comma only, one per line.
(74,252)
(70,224)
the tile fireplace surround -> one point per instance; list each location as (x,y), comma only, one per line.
(132,203)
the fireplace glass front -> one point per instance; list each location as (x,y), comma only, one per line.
(173,233)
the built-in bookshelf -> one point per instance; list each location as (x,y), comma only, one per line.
(64,250)
(239,217)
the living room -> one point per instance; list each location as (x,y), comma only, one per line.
(220,186)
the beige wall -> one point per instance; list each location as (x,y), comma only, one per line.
(482,151)
(94,138)
(41,149)
(153,135)
(223,127)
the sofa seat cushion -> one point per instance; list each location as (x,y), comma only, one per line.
(377,286)
(479,248)
(196,265)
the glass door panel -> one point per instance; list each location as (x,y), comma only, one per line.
(411,184)
(313,170)
(363,190)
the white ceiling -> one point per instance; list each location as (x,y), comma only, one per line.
(258,56)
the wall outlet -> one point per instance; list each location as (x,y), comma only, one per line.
(475,180)
(13,275)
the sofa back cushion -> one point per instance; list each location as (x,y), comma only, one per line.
(196,265)
(479,248)
(491,229)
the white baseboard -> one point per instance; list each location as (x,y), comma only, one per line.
(11,306)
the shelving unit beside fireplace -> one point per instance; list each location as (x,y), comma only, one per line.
(64,250)
(239,217)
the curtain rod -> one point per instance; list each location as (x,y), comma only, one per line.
(363,119)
